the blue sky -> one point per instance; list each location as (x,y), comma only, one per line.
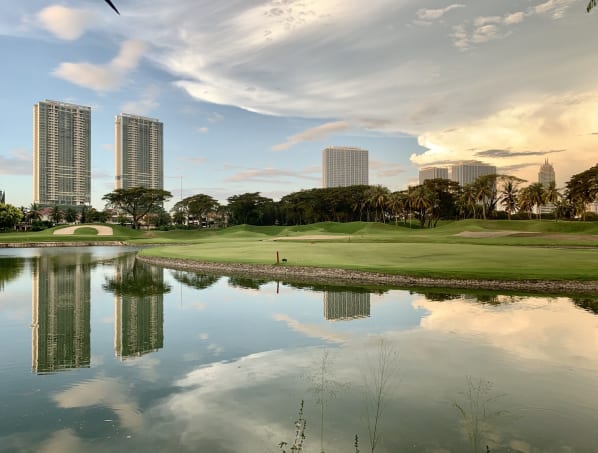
(251,91)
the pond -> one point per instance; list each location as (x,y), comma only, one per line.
(103,353)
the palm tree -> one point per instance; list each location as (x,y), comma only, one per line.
(508,197)
(537,197)
(377,198)
(525,201)
(397,204)
(552,195)
(483,189)
(469,198)
(56,215)
(420,200)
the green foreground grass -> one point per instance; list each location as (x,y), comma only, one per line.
(535,250)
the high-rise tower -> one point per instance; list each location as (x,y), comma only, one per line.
(139,152)
(467,172)
(61,154)
(344,166)
(546,174)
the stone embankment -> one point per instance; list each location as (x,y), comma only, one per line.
(351,277)
(17,245)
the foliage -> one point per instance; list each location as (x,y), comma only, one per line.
(194,209)
(251,208)
(9,216)
(137,201)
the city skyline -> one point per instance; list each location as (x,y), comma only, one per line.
(285,80)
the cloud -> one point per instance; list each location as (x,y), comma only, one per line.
(66,23)
(193,160)
(202,130)
(270,175)
(554,125)
(313,133)
(555,8)
(17,162)
(145,104)
(433,14)
(385,169)
(107,77)
(504,153)
(215,117)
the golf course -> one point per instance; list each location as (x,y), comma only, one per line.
(508,251)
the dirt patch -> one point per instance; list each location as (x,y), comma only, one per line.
(101,229)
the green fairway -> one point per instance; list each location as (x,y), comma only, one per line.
(473,249)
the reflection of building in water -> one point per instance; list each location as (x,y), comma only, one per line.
(346,305)
(60,313)
(139,314)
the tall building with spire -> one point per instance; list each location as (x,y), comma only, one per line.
(61,154)
(139,152)
(546,174)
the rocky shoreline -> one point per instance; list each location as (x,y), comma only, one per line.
(357,278)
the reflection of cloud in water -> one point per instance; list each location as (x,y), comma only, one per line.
(148,367)
(313,330)
(63,441)
(102,392)
(533,328)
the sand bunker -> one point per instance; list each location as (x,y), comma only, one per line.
(489,234)
(101,229)
(311,237)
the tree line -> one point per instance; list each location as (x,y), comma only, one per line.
(490,196)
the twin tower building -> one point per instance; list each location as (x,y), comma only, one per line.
(62,153)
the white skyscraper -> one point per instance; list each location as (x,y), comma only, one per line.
(467,172)
(139,152)
(546,174)
(344,166)
(61,154)
(432,173)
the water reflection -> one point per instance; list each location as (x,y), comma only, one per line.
(10,269)
(61,312)
(138,307)
(194,280)
(346,305)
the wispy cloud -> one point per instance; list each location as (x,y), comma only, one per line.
(313,133)
(270,175)
(106,77)
(16,162)
(505,153)
(434,14)
(66,23)
(147,103)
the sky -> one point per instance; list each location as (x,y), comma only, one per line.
(251,91)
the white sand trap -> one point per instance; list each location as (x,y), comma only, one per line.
(311,237)
(487,234)
(101,229)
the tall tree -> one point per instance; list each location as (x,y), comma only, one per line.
(485,192)
(508,196)
(137,201)
(377,198)
(537,197)
(9,216)
(196,207)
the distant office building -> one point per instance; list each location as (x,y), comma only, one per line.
(346,305)
(344,166)
(467,172)
(546,176)
(432,173)
(139,152)
(61,154)
(61,307)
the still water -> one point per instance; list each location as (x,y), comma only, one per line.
(101,353)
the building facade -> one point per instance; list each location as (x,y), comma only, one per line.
(467,172)
(344,166)
(432,173)
(546,174)
(61,154)
(138,144)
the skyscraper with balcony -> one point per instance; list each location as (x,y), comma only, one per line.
(466,172)
(139,152)
(61,154)
(344,166)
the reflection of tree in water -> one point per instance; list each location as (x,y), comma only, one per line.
(477,414)
(10,269)
(193,280)
(587,304)
(139,307)
(246,282)
(134,278)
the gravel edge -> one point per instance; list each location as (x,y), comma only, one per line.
(324,275)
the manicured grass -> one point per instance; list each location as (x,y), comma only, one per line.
(440,260)
(539,250)
(86,231)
